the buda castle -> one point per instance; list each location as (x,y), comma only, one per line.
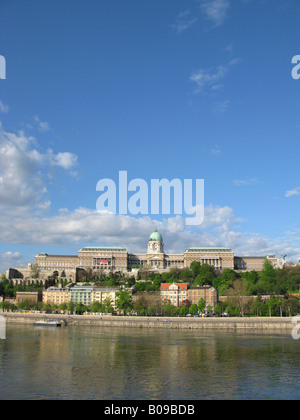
(117,258)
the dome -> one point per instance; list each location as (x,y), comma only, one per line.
(156,236)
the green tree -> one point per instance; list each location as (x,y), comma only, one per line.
(291,306)
(238,296)
(168,308)
(258,307)
(186,275)
(223,282)
(4,305)
(193,309)
(80,308)
(206,275)
(201,305)
(183,311)
(63,307)
(140,307)
(71,307)
(195,267)
(124,301)
(26,305)
(97,307)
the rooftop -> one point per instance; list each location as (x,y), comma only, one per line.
(102,248)
(208,248)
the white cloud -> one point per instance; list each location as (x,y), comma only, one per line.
(293,192)
(84,226)
(43,126)
(22,168)
(184,21)
(215,10)
(3,108)
(64,160)
(11,260)
(209,78)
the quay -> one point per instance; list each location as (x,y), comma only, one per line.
(256,324)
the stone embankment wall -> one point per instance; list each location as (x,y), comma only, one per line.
(255,324)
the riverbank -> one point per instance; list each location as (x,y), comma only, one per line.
(255,324)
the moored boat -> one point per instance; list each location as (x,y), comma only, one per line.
(48,323)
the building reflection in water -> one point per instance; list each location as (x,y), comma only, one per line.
(103,363)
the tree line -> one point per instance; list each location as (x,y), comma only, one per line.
(244,290)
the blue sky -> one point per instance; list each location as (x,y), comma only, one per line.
(163,89)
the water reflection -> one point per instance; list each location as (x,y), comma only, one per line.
(103,363)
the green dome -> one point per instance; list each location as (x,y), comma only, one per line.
(155,236)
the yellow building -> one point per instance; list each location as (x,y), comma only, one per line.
(105,293)
(56,296)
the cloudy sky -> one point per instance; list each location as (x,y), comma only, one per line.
(188,89)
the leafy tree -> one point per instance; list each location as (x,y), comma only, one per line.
(123,301)
(223,282)
(193,309)
(63,307)
(291,306)
(26,305)
(201,305)
(238,294)
(140,307)
(169,309)
(157,282)
(4,305)
(206,275)
(258,307)
(186,275)
(71,307)
(220,308)
(183,311)
(80,308)
(195,267)
(251,278)
(97,307)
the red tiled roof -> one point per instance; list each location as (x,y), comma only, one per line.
(165,286)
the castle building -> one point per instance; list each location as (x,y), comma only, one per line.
(117,258)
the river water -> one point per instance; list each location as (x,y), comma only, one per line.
(146,364)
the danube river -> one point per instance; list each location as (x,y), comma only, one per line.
(154,364)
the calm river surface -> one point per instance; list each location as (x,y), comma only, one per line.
(102,363)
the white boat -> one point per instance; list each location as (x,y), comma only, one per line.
(48,323)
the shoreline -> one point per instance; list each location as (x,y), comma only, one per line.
(256,324)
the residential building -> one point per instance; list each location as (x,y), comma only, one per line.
(56,296)
(208,293)
(176,293)
(81,294)
(105,293)
(34,297)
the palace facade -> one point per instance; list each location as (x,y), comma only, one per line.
(117,258)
